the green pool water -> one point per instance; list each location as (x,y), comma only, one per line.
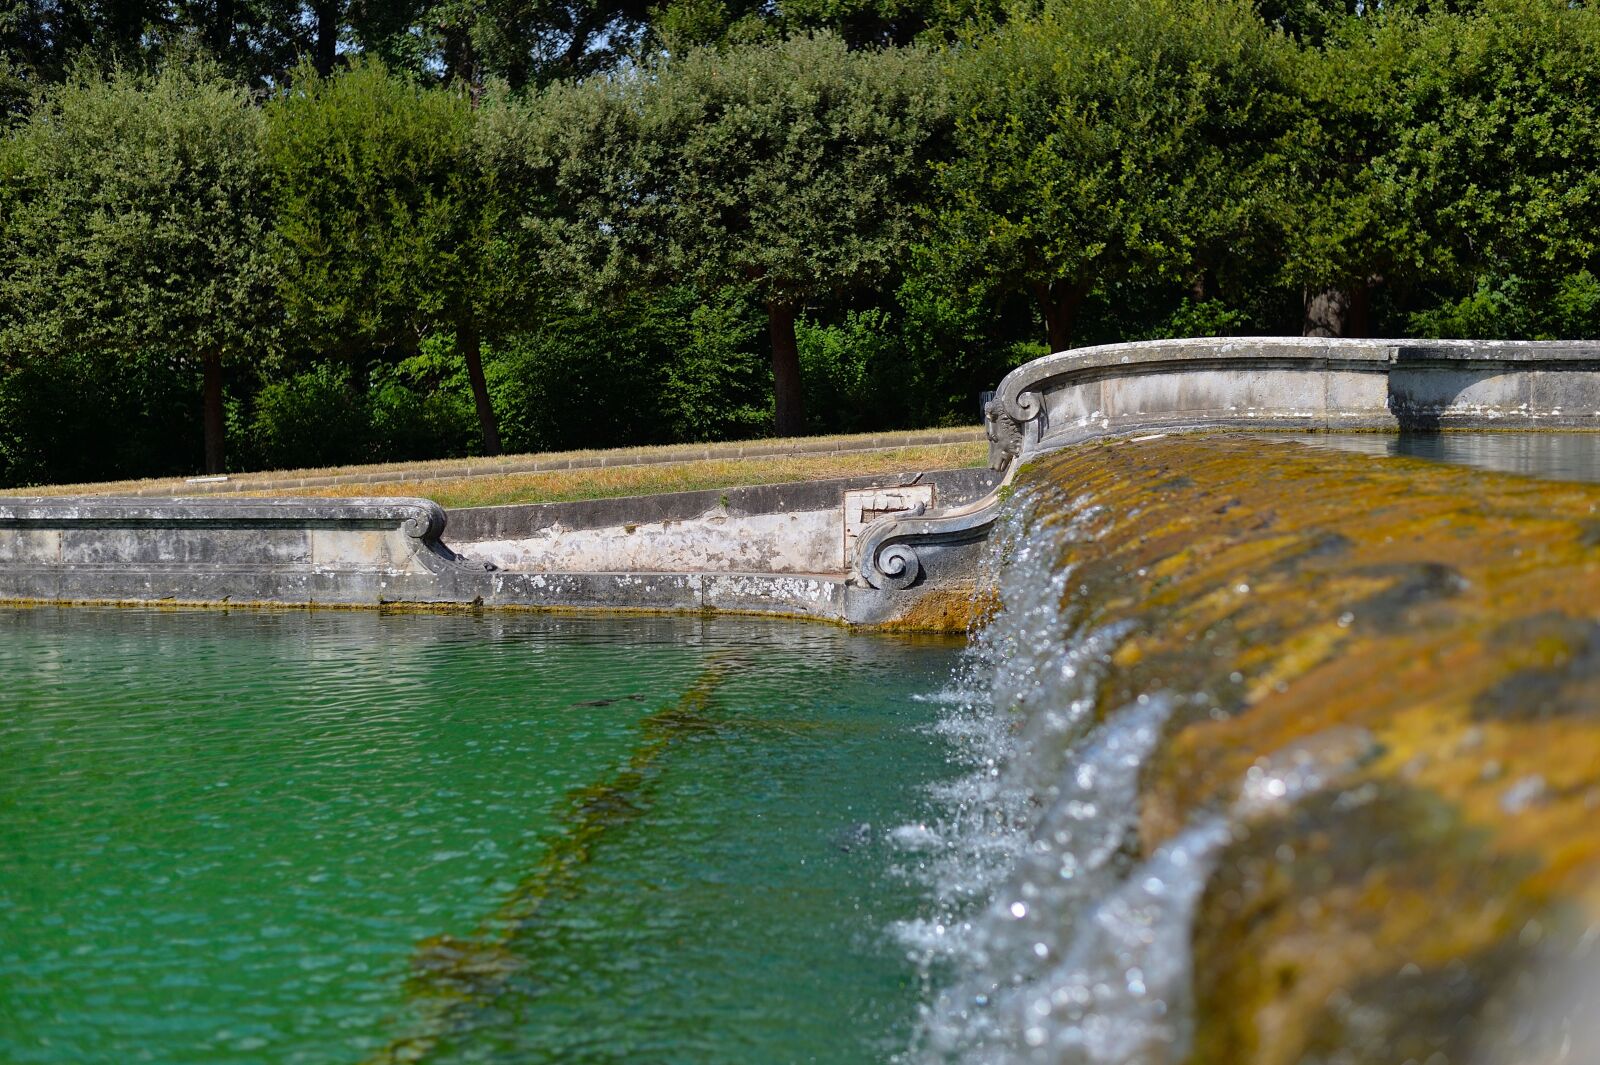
(351,837)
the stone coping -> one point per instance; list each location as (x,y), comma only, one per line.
(1016,392)
(419,518)
(1285,383)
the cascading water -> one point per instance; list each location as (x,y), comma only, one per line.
(1201,751)
(1023,705)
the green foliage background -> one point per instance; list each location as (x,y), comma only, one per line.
(607,200)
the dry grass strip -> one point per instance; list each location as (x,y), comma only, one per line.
(391,479)
(565,485)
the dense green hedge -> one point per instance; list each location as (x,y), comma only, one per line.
(242,247)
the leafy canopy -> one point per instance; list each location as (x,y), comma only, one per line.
(794,167)
(1105,138)
(382,209)
(135,220)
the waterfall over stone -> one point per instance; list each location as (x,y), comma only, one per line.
(1271,754)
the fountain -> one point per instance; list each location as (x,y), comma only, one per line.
(1277,754)
(1271,744)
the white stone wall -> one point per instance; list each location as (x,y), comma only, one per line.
(802,542)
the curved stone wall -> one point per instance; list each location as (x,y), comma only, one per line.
(1305,383)
(376,551)
(1300,383)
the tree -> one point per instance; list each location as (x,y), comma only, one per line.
(794,168)
(1354,218)
(1311,20)
(257,41)
(41,39)
(261,42)
(1444,150)
(1103,140)
(534,42)
(677,25)
(135,221)
(1515,117)
(390,223)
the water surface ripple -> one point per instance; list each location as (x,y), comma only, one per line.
(283,837)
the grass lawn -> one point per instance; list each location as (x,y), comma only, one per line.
(601,483)
(566,475)
(479,482)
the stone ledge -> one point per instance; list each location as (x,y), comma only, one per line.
(420,517)
(1286,383)
(358,553)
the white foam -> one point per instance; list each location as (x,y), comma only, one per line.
(1043,938)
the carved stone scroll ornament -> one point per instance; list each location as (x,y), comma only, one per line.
(885,561)
(425,523)
(889,555)
(1018,396)
(893,553)
(424,519)
(896,567)
(1005,436)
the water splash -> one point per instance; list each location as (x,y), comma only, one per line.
(1024,707)
(1076,852)
(1046,940)
(1123,991)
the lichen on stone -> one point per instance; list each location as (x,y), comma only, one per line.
(1453,615)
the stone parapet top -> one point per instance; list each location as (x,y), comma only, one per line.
(1015,393)
(418,517)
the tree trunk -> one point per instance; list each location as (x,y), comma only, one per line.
(1336,311)
(222,29)
(1059,302)
(460,61)
(789,399)
(216,457)
(577,48)
(325,48)
(472,351)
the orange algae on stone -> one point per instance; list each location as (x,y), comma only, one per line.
(1450,614)
(954,608)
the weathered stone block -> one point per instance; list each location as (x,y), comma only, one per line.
(30,545)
